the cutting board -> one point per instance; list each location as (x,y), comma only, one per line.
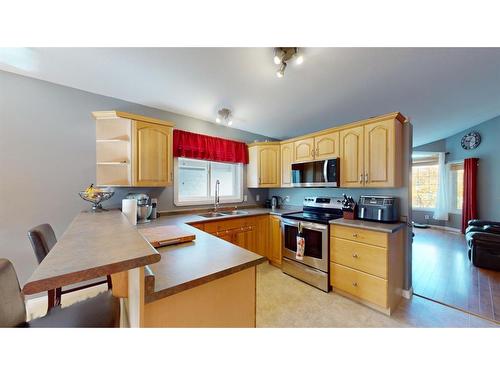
(166,235)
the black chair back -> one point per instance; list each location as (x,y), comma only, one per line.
(43,239)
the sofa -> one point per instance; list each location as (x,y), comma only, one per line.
(483,242)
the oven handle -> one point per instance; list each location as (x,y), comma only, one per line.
(304,224)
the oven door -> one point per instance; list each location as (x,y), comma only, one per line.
(316,242)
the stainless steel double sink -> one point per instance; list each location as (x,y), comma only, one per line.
(223,213)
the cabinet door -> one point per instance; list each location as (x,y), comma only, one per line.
(286,161)
(380,158)
(327,146)
(275,240)
(351,157)
(262,235)
(152,154)
(304,149)
(269,166)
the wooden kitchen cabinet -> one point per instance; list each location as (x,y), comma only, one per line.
(275,240)
(152,154)
(286,164)
(367,265)
(351,157)
(261,243)
(303,149)
(382,154)
(132,150)
(370,155)
(264,169)
(326,146)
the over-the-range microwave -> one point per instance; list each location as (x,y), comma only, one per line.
(318,173)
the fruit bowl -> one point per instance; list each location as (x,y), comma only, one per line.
(96,198)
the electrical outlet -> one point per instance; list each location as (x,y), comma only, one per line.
(427,217)
(257,198)
(245,198)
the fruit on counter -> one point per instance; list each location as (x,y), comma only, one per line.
(92,191)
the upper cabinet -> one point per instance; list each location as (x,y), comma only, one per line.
(326,146)
(264,169)
(323,146)
(304,149)
(286,162)
(351,157)
(370,155)
(132,150)
(152,154)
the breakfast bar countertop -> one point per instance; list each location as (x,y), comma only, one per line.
(95,244)
(207,258)
(370,225)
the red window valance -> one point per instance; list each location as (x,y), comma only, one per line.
(199,146)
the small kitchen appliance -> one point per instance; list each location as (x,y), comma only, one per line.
(144,207)
(309,230)
(378,208)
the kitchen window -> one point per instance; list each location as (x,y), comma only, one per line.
(194,182)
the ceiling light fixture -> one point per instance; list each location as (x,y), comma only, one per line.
(225,117)
(282,55)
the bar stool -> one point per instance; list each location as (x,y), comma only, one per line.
(43,239)
(97,312)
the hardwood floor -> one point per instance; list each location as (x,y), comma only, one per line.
(443,272)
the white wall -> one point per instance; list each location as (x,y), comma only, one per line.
(47,155)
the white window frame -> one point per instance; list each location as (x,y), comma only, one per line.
(452,188)
(198,201)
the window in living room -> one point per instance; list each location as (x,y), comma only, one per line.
(456,183)
(425,183)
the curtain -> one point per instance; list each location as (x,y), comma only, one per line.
(469,206)
(441,210)
(199,146)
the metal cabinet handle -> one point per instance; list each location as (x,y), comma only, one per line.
(317,151)
(312,152)
(260,180)
(366,177)
(355,235)
(361,178)
(355,255)
(354,284)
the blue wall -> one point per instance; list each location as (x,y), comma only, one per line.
(489,165)
(488,172)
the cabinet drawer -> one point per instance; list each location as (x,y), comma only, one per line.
(359,284)
(360,256)
(222,225)
(369,237)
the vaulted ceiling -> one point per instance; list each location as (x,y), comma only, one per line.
(442,90)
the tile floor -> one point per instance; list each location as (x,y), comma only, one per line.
(283,301)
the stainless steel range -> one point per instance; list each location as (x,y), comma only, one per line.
(313,226)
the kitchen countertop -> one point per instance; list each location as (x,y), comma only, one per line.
(94,245)
(191,264)
(370,225)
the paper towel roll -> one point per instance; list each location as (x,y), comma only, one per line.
(129,209)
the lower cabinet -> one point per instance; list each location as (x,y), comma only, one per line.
(259,234)
(367,266)
(274,252)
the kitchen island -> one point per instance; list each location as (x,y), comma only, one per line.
(205,283)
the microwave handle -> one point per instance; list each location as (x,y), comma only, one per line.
(325,170)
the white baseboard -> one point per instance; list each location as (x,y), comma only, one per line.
(407,293)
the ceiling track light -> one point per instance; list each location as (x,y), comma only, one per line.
(224,117)
(282,55)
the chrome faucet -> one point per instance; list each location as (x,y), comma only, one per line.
(217,193)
